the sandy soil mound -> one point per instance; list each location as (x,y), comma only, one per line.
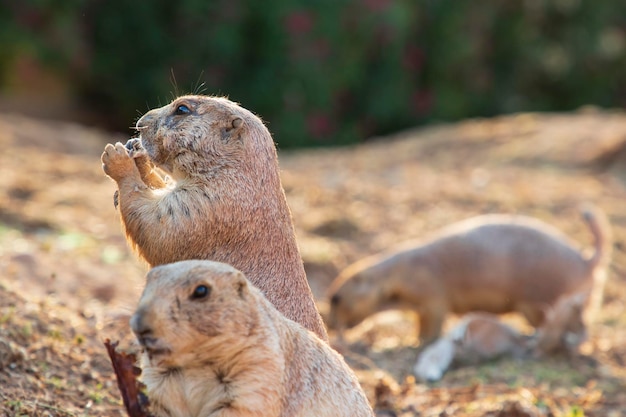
(68,279)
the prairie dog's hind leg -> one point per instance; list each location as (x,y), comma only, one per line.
(430,323)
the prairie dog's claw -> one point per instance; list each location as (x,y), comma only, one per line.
(134,148)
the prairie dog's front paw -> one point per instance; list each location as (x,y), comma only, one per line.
(135,148)
(116,162)
(138,153)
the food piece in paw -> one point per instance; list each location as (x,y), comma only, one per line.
(135,148)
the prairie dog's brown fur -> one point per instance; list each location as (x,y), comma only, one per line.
(564,328)
(214,346)
(492,263)
(226,202)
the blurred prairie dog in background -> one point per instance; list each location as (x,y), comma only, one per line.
(491,263)
(215,346)
(564,328)
(225,202)
(477,338)
(482,337)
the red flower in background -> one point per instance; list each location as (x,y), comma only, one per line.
(319,125)
(299,22)
(321,49)
(29,16)
(413,59)
(423,101)
(377,5)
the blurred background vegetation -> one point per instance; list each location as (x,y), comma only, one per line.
(320,73)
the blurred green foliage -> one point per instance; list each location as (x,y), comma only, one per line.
(328,71)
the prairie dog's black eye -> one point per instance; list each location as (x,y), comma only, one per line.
(182,110)
(201,291)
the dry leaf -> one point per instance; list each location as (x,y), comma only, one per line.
(135,401)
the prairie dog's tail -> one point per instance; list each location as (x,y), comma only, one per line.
(598,262)
(601,231)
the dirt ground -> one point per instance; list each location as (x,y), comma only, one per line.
(68,280)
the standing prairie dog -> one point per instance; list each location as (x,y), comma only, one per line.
(492,263)
(226,202)
(214,346)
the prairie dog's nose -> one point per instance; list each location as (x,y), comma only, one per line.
(140,323)
(144,121)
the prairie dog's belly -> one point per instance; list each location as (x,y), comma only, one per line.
(489,300)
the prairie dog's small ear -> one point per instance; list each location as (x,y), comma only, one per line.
(241,284)
(231,130)
(237,122)
(153,274)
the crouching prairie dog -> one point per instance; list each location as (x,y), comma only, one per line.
(225,201)
(492,263)
(482,337)
(213,345)
(477,338)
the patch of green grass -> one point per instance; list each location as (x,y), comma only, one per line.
(43,366)
(57,382)
(7,316)
(14,404)
(519,373)
(18,407)
(97,397)
(4,229)
(55,334)
(100,395)
(557,374)
(541,404)
(71,240)
(26,330)
(111,255)
(575,411)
